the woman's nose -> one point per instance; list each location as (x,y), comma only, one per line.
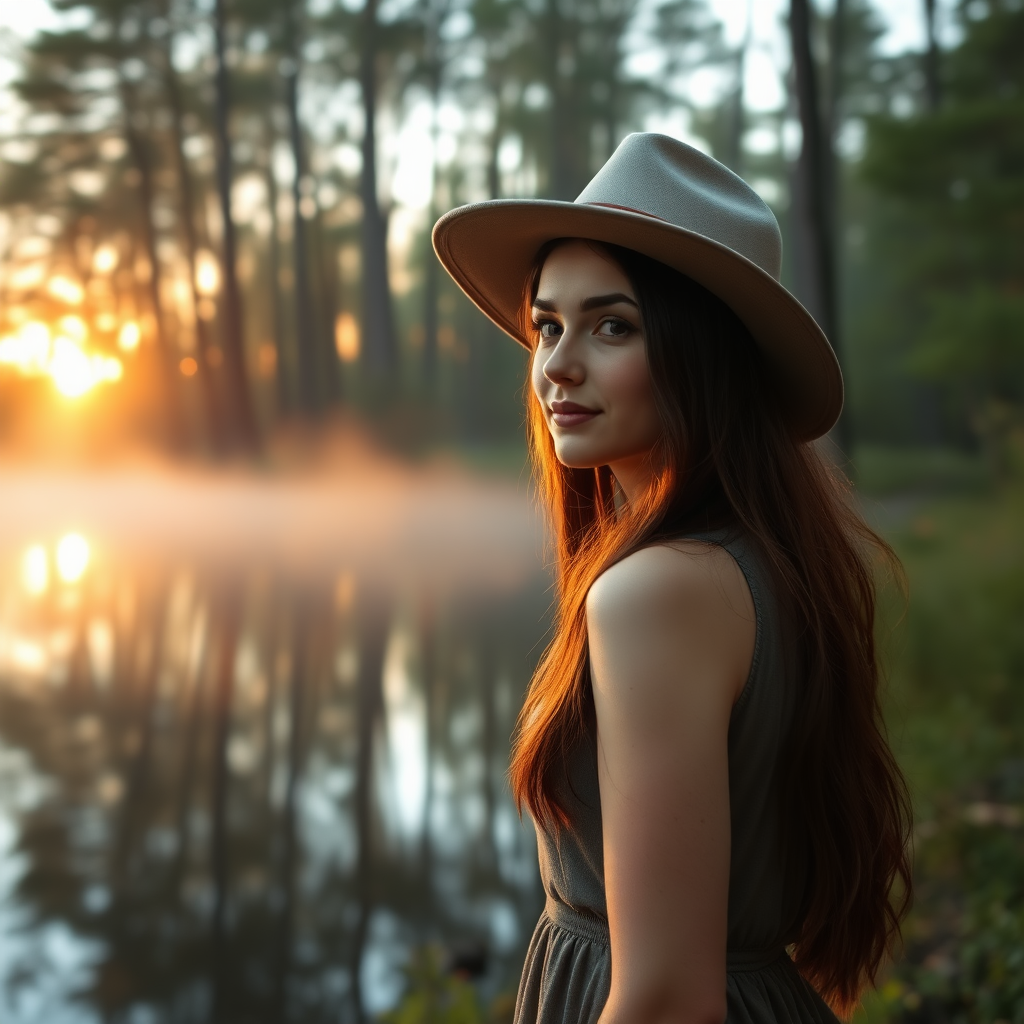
(563,365)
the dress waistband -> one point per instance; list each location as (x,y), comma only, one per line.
(584,925)
(587,926)
(743,961)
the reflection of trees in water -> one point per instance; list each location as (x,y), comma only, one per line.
(216,817)
(369,709)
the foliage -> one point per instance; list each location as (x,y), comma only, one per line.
(893,470)
(950,227)
(956,710)
(434,996)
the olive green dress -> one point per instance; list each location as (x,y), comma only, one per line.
(568,968)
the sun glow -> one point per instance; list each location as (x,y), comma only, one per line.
(66,290)
(104,259)
(73,327)
(72,557)
(207,273)
(346,337)
(28,350)
(35,570)
(35,351)
(129,337)
(74,372)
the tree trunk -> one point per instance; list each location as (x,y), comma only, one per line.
(493,171)
(429,673)
(737,120)
(375,622)
(284,368)
(561,138)
(135,807)
(170,388)
(304,339)
(836,88)
(192,702)
(489,739)
(381,353)
(186,203)
(927,399)
(281,637)
(933,83)
(227,646)
(300,668)
(328,360)
(814,199)
(430,317)
(611,116)
(430,266)
(242,419)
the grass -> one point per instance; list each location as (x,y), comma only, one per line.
(882,470)
(956,715)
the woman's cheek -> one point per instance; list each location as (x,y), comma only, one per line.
(535,375)
(538,382)
(633,382)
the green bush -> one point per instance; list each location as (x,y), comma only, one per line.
(435,996)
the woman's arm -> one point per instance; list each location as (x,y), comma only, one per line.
(671,641)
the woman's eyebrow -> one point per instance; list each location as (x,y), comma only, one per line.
(594,302)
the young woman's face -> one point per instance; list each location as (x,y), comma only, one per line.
(589,368)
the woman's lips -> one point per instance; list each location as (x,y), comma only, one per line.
(569,414)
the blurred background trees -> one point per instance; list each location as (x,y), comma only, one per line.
(214,243)
(951,183)
(200,217)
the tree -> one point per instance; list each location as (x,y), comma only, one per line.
(58,79)
(737,120)
(215,424)
(952,179)
(933,84)
(815,198)
(434,15)
(242,417)
(378,319)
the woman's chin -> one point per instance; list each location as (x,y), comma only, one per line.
(579,457)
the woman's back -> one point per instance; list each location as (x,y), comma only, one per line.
(568,973)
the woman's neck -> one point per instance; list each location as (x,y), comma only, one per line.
(634,475)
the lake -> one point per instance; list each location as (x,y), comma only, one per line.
(253,740)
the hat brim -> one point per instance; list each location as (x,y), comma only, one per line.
(489,249)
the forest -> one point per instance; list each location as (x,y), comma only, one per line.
(195,199)
(254,720)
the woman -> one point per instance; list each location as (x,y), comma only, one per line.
(723,831)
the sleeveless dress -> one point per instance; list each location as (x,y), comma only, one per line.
(567,971)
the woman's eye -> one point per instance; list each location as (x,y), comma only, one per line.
(547,328)
(614,328)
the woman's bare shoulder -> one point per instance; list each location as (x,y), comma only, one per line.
(680,573)
(670,612)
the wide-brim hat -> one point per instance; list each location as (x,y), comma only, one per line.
(671,202)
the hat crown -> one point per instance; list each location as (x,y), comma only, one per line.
(662,177)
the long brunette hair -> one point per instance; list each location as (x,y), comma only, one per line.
(726,458)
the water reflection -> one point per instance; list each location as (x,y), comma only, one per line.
(239,783)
